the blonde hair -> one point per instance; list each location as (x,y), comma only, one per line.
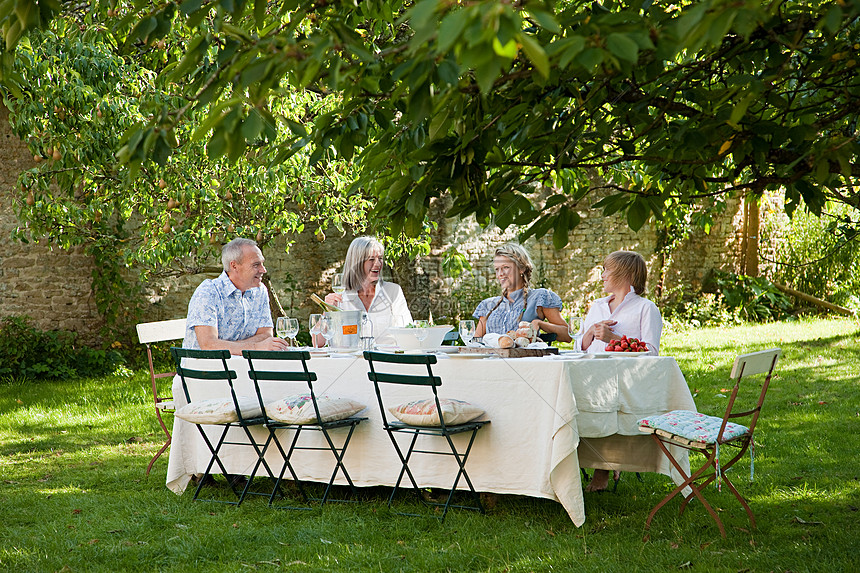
(523,261)
(630,265)
(360,249)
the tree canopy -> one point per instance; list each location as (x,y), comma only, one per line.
(647,105)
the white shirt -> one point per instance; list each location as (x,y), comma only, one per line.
(635,317)
(387,309)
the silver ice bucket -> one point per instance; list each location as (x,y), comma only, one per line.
(346,327)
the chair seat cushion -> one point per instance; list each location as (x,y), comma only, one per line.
(692,426)
(219,410)
(423,412)
(299,409)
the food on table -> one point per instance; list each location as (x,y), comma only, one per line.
(505,341)
(627,345)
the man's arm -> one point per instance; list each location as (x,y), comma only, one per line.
(207,338)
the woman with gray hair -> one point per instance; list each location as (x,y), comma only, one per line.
(367,291)
(541,307)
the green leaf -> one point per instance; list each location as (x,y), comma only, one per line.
(545,19)
(535,53)
(623,47)
(450,30)
(637,213)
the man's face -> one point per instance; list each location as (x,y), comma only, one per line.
(248,271)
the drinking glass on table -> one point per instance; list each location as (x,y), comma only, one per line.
(315,326)
(574,327)
(327,330)
(420,330)
(291,330)
(281,327)
(467,331)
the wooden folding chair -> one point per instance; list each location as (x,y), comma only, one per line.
(440,429)
(321,422)
(148,333)
(243,411)
(707,434)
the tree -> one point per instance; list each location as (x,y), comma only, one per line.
(76,100)
(489,101)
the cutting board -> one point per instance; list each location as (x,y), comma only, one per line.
(509,352)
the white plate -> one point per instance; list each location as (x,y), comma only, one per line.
(470,355)
(618,354)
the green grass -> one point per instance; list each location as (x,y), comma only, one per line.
(73,495)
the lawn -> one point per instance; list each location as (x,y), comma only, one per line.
(74,497)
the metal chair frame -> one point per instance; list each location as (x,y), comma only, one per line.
(226,376)
(160,331)
(443,430)
(274,426)
(714,468)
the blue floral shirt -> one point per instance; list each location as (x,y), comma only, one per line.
(507,315)
(236,315)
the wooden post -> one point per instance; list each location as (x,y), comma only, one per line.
(752,236)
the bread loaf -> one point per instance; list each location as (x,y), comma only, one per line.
(506,341)
(522,341)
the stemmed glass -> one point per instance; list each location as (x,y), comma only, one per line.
(326,330)
(337,284)
(467,331)
(574,327)
(420,330)
(281,327)
(292,329)
(315,326)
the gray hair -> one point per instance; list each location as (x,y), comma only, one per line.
(234,251)
(359,251)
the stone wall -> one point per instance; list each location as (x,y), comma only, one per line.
(53,286)
(50,285)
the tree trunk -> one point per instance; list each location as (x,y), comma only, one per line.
(814,300)
(274,304)
(752,234)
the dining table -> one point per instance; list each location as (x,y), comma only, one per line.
(550,416)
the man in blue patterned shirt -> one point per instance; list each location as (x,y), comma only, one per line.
(232,311)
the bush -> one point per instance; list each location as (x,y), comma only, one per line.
(697,310)
(756,299)
(27,352)
(817,255)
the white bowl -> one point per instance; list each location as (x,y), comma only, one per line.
(406,340)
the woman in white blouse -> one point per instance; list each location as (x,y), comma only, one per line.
(367,291)
(623,312)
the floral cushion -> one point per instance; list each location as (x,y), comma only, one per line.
(219,410)
(692,426)
(423,412)
(299,409)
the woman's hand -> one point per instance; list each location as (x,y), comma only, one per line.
(602,330)
(333,299)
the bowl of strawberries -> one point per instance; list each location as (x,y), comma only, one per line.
(626,344)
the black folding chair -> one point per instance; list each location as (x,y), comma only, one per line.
(319,424)
(225,377)
(393,427)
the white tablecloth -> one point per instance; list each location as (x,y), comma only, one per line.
(539,408)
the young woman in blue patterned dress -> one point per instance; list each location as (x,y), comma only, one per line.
(541,307)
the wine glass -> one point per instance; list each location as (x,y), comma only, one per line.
(327,330)
(419,330)
(467,331)
(574,327)
(315,326)
(292,329)
(281,327)
(337,284)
